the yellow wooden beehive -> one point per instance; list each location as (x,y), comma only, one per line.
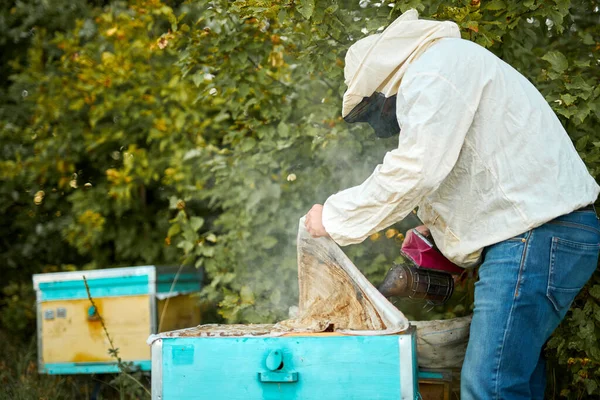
(134,302)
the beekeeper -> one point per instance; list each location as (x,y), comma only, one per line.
(496,180)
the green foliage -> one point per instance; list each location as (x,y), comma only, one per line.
(276,145)
(26,244)
(20,21)
(17,308)
(19,377)
(151,132)
(575,344)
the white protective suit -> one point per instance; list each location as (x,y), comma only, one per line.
(481,153)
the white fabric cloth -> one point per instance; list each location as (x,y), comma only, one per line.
(442,343)
(480,152)
(378,62)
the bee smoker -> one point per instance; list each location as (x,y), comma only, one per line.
(428,276)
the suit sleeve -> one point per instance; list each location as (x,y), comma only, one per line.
(434,118)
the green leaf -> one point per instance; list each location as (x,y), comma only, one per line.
(577,82)
(196,223)
(596,310)
(595,352)
(306,8)
(173,20)
(494,5)
(590,386)
(557,60)
(77,105)
(268,242)
(180,121)
(473,25)
(331,9)
(244,89)
(248,144)
(198,78)
(595,292)
(568,99)
(246,295)
(174,230)
(586,329)
(581,143)
(173,202)
(587,38)
(186,245)
(283,129)
(581,63)
(207,251)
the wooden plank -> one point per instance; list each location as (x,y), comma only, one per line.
(99,287)
(181,312)
(440,384)
(432,390)
(75,338)
(313,334)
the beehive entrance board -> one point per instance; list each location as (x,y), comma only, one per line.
(209,362)
(71,338)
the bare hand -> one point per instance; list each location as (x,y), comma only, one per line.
(314,222)
(422,229)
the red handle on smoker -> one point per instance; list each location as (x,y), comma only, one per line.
(422,252)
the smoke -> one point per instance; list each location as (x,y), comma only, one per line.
(327,155)
(345,161)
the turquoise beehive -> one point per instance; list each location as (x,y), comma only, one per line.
(332,366)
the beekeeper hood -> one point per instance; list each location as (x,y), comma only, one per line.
(376,64)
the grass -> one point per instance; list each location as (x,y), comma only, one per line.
(19,378)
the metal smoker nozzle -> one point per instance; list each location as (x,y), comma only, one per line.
(417,283)
(396,283)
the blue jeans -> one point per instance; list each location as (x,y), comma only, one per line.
(526,286)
